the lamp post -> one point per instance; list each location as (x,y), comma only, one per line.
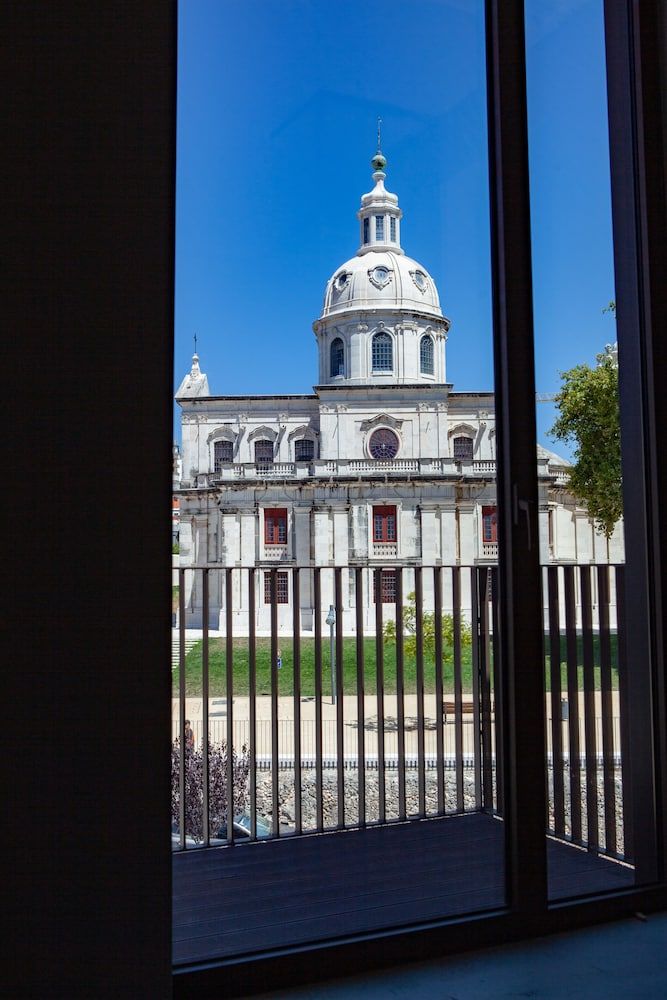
(331,621)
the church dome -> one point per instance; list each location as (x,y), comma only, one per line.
(381,321)
(381,279)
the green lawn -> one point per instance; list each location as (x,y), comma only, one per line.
(285,675)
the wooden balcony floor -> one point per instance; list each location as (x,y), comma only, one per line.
(254,897)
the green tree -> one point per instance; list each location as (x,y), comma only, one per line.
(428,631)
(588,420)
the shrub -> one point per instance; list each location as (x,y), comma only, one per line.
(428,632)
(217,786)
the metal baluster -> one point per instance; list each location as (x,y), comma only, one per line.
(573,703)
(252,690)
(379,688)
(589,710)
(419,636)
(317,594)
(296,658)
(181,708)
(476,643)
(556,702)
(361,718)
(438,667)
(607,703)
(205,710)
(229,691)
(458,687)
(400,694)
(623,700)
(340,733)
(275,808)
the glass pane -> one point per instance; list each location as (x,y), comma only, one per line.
(587,664)
(340,607)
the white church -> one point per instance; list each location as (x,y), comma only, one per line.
(382,465)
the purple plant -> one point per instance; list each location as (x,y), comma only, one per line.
(217,786)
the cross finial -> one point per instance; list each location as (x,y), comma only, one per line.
(379,131)
(195,343)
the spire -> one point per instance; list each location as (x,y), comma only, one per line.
(379,215)
(196,382)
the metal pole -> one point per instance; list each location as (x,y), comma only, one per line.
(332,660)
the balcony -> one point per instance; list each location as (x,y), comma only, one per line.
(355,468)
(387,746)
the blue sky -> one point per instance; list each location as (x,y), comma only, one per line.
(277,108)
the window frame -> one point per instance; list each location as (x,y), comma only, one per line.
(427,340)
(282,586)
(218,463)
(382,532)
(275,526)
(302,441)
(340,350)
(385,576)
(468,457)
(382,335)
(489,524)
(263,461)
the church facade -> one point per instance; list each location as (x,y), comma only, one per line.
(382,465)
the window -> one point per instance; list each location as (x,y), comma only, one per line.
(384,524)
(383,444)
(337,357)
(489,525)
(275,526)
(263,452)
(281,588)
(463,449)
(387,587)
(426,355)
(382,359)
(366,230)
(223,454)
(379,227)
(304,450)
(392,229)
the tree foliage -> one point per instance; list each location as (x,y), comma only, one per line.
(589,421)
(428,631)
(217,786)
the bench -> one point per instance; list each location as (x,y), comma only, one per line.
(467,708)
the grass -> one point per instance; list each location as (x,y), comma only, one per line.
(285,675)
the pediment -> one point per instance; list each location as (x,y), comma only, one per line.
(303,431)
(467,430)
(263,432)
(382,419)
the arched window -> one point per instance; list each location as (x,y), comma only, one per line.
(426,355)
(263,452)
(337,357)
(223,454)
(304,450)
(382,359)
(462,449)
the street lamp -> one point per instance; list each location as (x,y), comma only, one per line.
(331,621)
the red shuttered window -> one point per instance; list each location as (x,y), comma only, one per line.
(384,524)
(275,526)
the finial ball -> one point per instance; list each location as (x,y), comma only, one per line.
(379,161)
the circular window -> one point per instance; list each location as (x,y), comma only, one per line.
(342,280)
(384,444)
(420,280)
(379,276)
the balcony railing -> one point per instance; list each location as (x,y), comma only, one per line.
(325,468)
(384,724)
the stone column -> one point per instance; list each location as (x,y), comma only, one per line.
(468,533)
(448,540)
